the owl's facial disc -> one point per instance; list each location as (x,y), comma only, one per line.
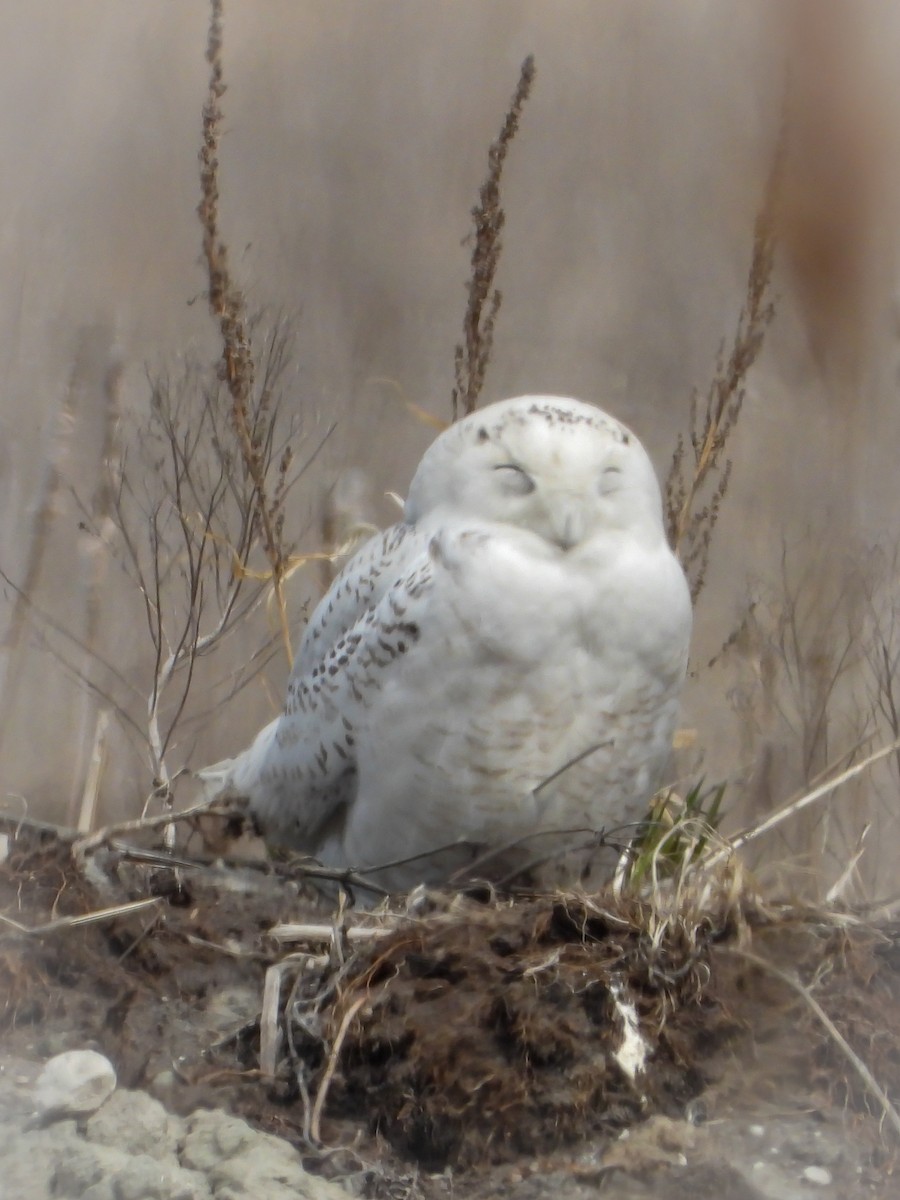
(561,469)
(565,484)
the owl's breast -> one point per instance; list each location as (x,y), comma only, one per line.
(540,695)
(613,608)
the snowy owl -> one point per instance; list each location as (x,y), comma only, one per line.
(501,666)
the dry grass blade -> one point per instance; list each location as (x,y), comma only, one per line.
(95,563)
(91,793)
(472,356)
(869,1081)
(813,797)
(333,1057)
(54,459)
(701,476)
(227,305)
(844,880)
(269,1028)
(90,918)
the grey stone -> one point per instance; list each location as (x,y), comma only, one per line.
(243,1164)
(144,1178)
(84,1166)
(136,1123)
(211,1136)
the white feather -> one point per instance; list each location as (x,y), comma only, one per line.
(526,614)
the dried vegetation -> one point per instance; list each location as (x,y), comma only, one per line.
(698,480)
(472,356)
(475,1030)
(252,420)
(192,494)
(460,1030)
(465,1027)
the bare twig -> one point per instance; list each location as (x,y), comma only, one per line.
(102,837)
(346,876)
(184,510)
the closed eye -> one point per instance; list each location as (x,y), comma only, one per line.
(609,480)
(515,479)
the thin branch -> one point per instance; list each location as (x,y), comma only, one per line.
(85,846)
(51,623)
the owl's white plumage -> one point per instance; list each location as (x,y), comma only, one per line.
(507,660)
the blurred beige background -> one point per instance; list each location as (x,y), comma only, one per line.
(355,140)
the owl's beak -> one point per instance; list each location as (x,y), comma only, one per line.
(568,528)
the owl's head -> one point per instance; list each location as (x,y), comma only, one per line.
(560,468)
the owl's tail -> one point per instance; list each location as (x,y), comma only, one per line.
(218,780)
(237,778)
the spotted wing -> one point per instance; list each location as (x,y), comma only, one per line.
(359,587)
(302,768)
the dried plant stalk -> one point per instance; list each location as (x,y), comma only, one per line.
(227,305)
(95,562)
(472,356)
(89,918)
(814,796)
(59,443)
(701,477)
(91,792)
(882,647)
(181,507)
(315,1132)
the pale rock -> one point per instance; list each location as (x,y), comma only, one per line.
(76,1082)
(817,1175)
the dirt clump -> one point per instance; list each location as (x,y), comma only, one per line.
(533,1046)
(503,1030)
